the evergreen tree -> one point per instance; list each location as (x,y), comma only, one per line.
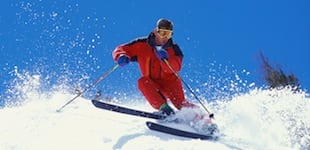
(276,78)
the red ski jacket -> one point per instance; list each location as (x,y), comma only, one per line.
(143,50)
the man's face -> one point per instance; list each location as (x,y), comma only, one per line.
(164,33)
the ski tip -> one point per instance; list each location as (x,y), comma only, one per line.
(148,123)
(94,101)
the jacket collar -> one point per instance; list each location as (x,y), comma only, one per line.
(152,43)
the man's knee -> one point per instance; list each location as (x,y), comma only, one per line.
(146,83)
(143,82)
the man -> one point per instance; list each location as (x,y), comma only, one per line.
(158,58)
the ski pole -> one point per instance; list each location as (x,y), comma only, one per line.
(79,93)
(211,115)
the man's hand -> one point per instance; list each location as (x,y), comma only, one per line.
(161,54)
(123,60)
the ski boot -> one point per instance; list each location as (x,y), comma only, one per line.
(210,129)
(166,110)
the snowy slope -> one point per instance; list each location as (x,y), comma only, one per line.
(260,119)
(36,125)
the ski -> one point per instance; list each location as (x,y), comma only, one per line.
(173,131)
(125,110)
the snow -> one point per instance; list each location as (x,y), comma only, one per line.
(261,119)
(37,125)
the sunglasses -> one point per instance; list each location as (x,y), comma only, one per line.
(164,33)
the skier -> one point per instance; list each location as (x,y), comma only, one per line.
(158,82)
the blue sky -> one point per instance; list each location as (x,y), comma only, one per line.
(54,37)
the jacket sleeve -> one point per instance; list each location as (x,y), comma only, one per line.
(118,51)
(175,60)
(128,49)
